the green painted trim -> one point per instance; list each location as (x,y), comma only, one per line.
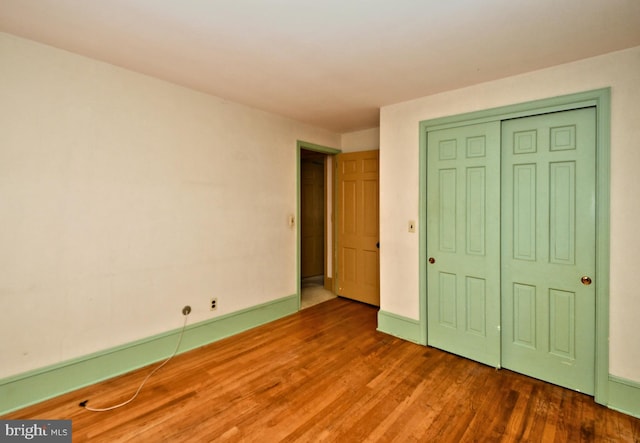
(300,145)
(422,235)
(603,232)
(31,387)
(401,327)
(624,396)
(601,99)
(318,148)
(527,109)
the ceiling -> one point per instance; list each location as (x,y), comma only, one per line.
(329,63)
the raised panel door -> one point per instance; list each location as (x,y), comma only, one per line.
(548,234)
(358,268)
(463,238)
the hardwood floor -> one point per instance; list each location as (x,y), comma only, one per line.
(325,374)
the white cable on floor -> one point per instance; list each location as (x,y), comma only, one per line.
(84,403)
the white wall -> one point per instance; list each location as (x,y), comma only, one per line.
(365,140)
(399,183)
(123,198)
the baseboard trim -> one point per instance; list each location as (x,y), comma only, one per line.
(624,396)
(401,327)
(19,391)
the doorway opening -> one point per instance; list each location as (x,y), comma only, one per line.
(315,227)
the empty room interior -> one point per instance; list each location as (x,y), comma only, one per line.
(321,220)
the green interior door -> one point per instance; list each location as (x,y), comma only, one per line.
(463,241)
(548,246)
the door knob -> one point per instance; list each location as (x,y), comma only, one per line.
(586,280)
(432,260)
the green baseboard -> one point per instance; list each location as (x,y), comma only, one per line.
(624,396)
(621,395)
(32,387)
(401,327)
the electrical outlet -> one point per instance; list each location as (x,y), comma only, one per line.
(186,310)
(214,304)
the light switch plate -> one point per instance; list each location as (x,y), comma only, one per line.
(412,226)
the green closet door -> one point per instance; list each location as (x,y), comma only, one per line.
(548,246)
(463,241)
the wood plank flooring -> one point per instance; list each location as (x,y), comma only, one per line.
(326,374)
